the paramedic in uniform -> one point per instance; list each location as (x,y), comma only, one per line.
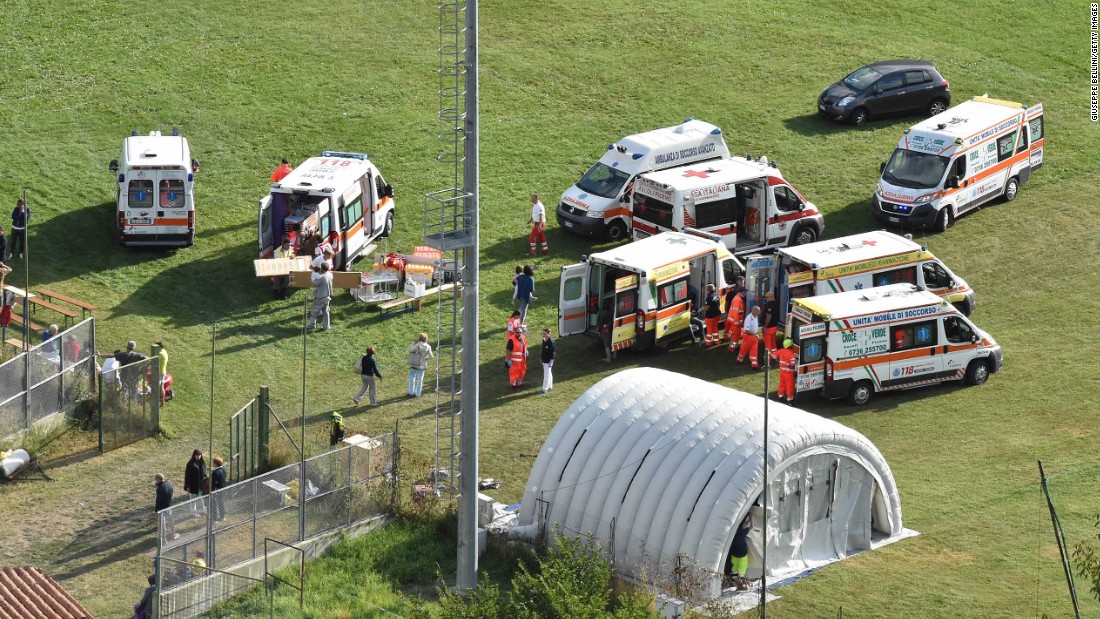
(770,323)
(787,370)
(538,225)
(516,351)
(735,316)
(750,341)
(281,171)
(713,313)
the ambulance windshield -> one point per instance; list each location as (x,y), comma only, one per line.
(908,168)
(603,180)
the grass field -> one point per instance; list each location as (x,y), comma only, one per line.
(251,82)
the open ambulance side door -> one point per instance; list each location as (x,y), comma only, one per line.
(759,278)
(810,343)
(266,233)
(573,300)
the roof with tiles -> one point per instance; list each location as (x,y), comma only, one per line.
(29,593)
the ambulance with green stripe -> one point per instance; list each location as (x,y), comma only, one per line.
(864,261)
(855,344)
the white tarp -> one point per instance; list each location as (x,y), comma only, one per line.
(662,467)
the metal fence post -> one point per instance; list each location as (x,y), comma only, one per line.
(264,427)
(252,482)
(158,389)
(100,412)
(351,485)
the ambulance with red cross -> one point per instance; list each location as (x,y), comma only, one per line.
(336,194)
(958,160)
(156,190)
(745,201)
(855,344)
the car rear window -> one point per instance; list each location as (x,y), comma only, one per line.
(917,77)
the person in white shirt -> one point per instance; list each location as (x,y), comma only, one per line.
(110,372)
(538,225)
(323,258)
(750,338)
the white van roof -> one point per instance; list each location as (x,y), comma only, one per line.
(332,171)
(845,305)
(659,250)
(690,130)
(848,249)
(963,125)
(710,173)
(663,147)
(155,150)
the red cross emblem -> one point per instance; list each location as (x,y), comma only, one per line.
(870,242)
(697,174)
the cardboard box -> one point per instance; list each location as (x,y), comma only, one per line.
(340,279)
(271,267)
(414,288)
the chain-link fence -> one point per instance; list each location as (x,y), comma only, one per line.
(49,378)
(207,586)
(341,487)
(129,404)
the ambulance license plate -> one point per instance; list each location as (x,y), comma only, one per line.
(894,220)
(140,221)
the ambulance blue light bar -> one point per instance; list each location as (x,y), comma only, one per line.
(716,131)
(175,132)
(134,132)
(333,153)
(637,156)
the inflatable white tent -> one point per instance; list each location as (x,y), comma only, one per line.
(661,468)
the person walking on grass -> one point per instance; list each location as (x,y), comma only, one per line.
(538,225)
(419,353)
(515,359)
(163,502)
(322,296)
(144,608)
(281,171)
(515,282)
(217,482)
(525,291)
(367,368)
(547,358)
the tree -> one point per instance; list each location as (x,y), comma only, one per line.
(1088,562)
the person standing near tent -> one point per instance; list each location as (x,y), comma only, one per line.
(538,225)
(281,171)
(713,313)
(516,359)
(788,366)
(735,314)
(770,323)
(750,338)
(739,554)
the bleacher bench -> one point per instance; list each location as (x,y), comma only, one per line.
(84,306)
(64,311)
(17,319)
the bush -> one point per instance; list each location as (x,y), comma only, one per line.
(1089,562)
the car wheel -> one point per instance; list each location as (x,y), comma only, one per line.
(937,106)
(1011,189)
(616,231)
(977,372)
(945,219)
(859,116)
(861,393)
(803,235)
(388,228)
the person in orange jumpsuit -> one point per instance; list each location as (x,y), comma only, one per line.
(750,338)
(514,325)
(516,360)
(788,368)
(735,316)
(281,171)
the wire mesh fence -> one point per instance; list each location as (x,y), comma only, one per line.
(49,378)
(129,404)
(198,587)
(248,439)
(294,503)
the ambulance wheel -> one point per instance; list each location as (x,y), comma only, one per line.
(977,372)
(1011,189)
(936,106)
(861,393)
(945,219)
(615,232)
(859,116)
(804,235)
(388,228)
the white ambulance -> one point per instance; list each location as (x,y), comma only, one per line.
(745,201)
(644,289)
(854,344)
(864,261)
(958,160)
(341,193)
(599,204)
(156,190)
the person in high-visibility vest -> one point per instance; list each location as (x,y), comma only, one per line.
(750,338)
(281,171)
(735,316)
(788,369)
(516,359)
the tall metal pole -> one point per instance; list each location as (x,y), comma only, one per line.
(302,450)
(25,248)
(468,443)
(1060,539)
(213,347)
(764,552)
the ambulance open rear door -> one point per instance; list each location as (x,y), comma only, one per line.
(266,232)
(809,346)
(573,299)
(759,279)
(625,331)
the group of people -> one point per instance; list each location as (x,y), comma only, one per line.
(198,480)
(745,330)
(516,353)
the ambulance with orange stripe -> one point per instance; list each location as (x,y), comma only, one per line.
(341,193)
(746,201)
(864,261)
(156,190)
(644,290)
(855,344)
(958,160)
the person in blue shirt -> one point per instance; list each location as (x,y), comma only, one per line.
(525,291)
(48,335)
(19,218)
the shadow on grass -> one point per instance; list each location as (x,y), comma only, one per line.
(107,541)
(812,125)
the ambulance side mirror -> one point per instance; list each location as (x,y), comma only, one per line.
(974,338)
(113,166)
(952,183)
(387,190)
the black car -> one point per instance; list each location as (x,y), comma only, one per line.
(884,89)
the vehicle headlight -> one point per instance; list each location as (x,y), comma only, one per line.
(925,198)
(845,101)
(594,214)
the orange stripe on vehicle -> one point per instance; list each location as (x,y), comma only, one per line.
(901,355)
(672,310)
(572,316)
(170,221)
